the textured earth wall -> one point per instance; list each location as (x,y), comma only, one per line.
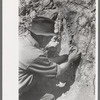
(75,21)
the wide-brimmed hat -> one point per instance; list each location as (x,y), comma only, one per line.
(42,26)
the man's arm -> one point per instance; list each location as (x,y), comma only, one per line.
(59,59)
(44,66)
(63,67)
(72,57)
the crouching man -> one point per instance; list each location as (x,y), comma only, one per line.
(33,61)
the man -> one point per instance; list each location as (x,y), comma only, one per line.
(33,61)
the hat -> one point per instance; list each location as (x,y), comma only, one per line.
(42,26)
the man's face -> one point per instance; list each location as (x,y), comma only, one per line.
(46,40)
(41,39)
(51,45)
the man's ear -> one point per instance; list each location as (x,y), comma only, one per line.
(54,16)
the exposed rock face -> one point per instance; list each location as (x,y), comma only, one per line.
(75,23)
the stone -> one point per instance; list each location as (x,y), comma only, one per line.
(46,2)
(82,20)
(33,14)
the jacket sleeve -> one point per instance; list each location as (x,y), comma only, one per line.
(44,66)
(59,59)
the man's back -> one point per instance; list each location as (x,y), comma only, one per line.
(28,50)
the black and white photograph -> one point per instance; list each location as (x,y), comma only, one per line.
(57,50)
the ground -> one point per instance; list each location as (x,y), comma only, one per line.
(75,21)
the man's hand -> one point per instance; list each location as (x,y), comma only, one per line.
(74,55)
(53,43)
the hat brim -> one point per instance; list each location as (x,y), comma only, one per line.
(40,33)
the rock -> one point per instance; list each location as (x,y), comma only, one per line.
(46,2)
(27,1)
(54,16)
(82,20)
(47,13)
(35,0)
(33,14)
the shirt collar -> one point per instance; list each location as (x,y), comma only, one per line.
(31,39)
